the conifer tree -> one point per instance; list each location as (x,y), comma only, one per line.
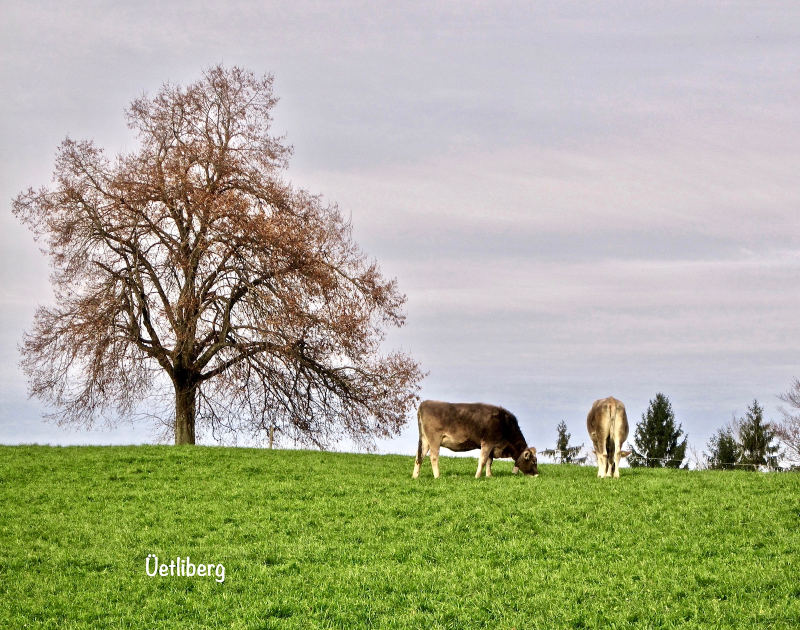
(756,439)
(656,438)
(724,450)
(566,453)
(563,453)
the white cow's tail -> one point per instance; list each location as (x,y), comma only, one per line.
(419,443)
(612,428)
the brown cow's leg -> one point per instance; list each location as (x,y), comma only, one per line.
(489,467)
(485,456)
(422,451)
(435,459)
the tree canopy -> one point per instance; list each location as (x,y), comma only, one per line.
(189,268)
(656,439)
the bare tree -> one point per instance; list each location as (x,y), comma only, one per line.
(190,266)
(788,431)
(700,460)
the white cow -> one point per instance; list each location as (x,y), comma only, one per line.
(607,423)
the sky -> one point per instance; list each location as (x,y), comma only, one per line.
(578,199)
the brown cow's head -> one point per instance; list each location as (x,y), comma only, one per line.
(526,462)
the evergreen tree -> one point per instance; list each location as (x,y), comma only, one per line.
(566,453)
(563,453)
(724,450)
(656,438)
(755,439)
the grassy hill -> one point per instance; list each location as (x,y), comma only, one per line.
(322,540)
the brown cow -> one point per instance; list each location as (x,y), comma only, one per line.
(466,426)
(607,423)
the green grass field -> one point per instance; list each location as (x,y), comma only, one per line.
(323,540)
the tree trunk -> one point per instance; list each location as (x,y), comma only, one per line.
(185,405)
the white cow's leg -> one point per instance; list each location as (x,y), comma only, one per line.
(617,457)
(435,459)
(602,462)
(601,466)
(421,453)
(598,452)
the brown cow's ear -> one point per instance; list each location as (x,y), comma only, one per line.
(533,450)
(527,455)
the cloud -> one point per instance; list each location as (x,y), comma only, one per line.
(689,195)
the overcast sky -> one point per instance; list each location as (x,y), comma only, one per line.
(579,199)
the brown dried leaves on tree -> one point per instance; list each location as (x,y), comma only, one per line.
(191,267)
